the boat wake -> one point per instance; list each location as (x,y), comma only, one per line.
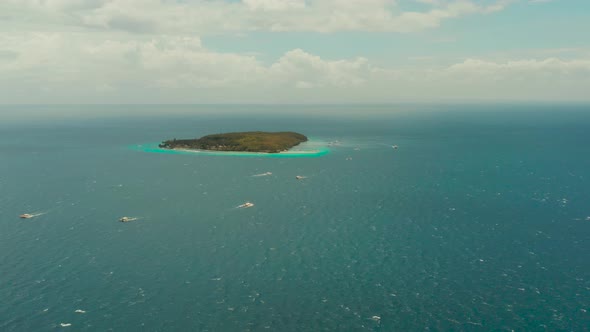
(31,215)
(262,174)
(245,205)
(128,219)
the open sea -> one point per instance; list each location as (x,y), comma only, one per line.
(479,221)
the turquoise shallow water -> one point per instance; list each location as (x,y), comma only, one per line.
(477,222)
(309,149)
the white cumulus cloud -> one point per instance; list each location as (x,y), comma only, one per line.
(69,67)
(215,16)
(151,51)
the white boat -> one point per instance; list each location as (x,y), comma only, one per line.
(31,215)
(299,177)
(127,219)
(394,146)
(246,205)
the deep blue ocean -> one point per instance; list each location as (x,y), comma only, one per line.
(479,221)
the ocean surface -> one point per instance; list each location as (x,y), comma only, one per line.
(479,221)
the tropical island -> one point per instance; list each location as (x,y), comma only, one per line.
(251,141)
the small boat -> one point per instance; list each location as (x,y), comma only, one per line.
(299,177)
(127,219)
(394,146)
(26,216)
(246,205)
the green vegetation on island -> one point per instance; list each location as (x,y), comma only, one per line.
(252,141)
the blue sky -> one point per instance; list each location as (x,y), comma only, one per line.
(268,51)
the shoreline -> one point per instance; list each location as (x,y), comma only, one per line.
(247,152)
(316,150)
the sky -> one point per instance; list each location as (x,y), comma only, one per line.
(293,51)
